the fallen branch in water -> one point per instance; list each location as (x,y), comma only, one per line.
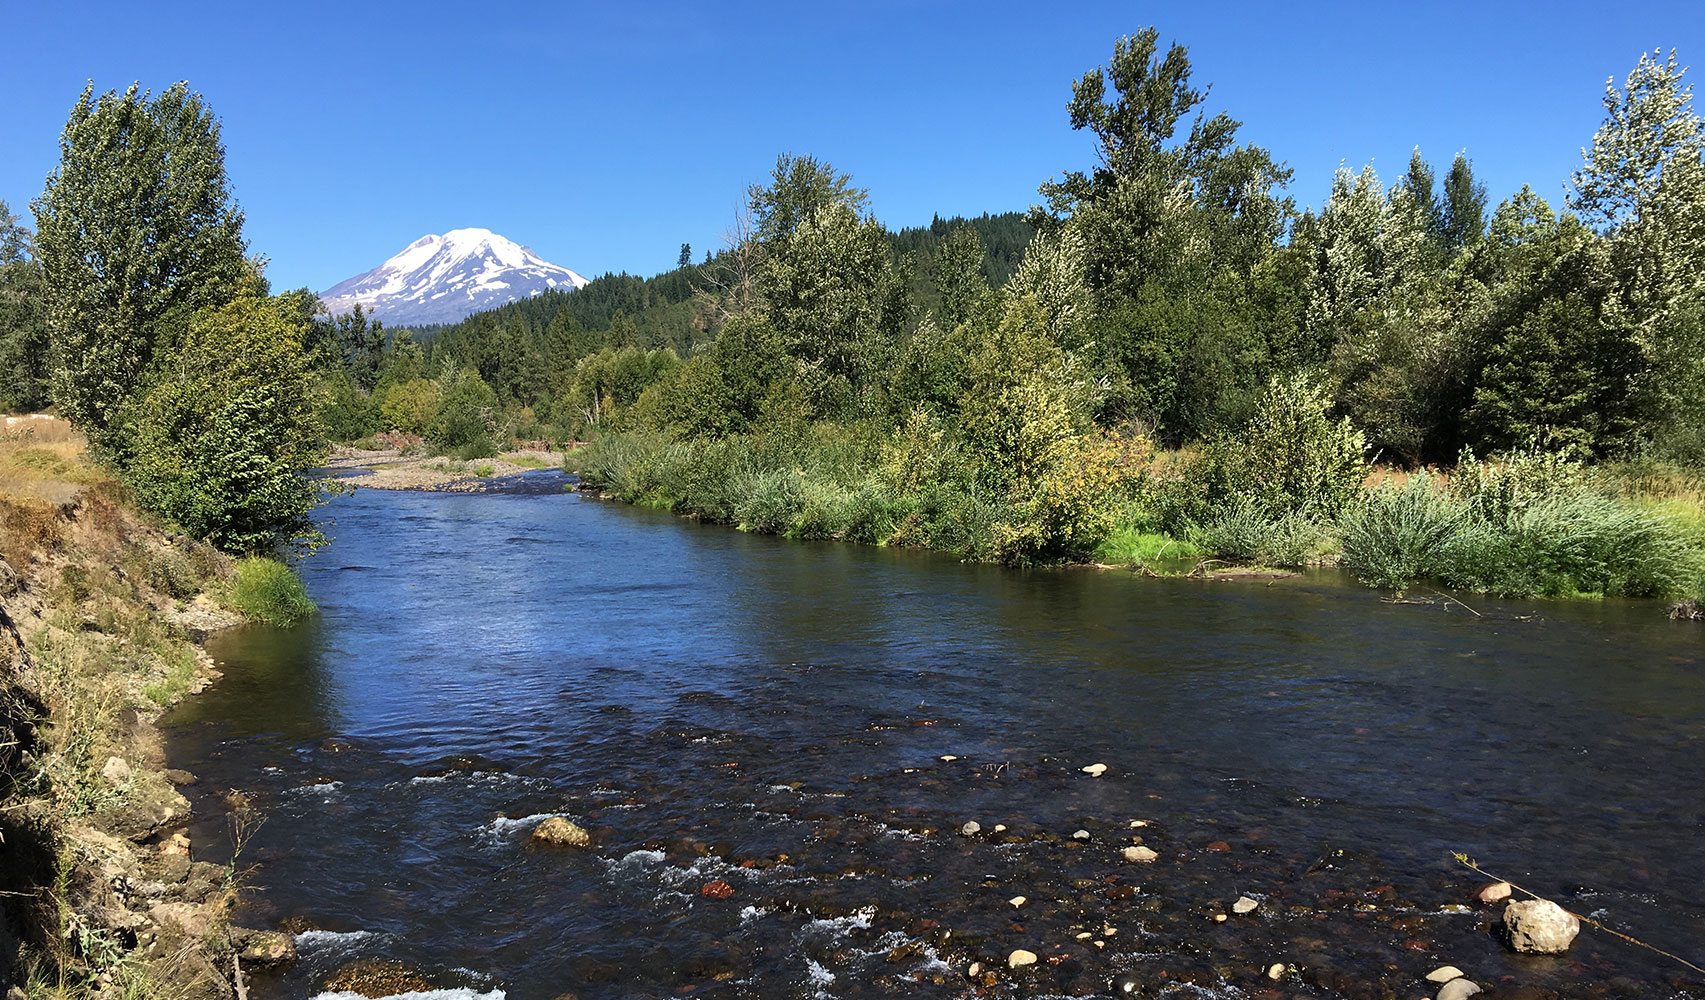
(1453,600)
(1469,863)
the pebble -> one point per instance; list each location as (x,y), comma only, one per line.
(1000,827)
(1219,918)
(1095,770)
(1127,985)
(975,970)
(1081,835)
(1139,854)
(1276,971)
(1138,824)
(1020,958)
(1497,892)
(1244,905)
(1017,901)
(1458,989)
(971,829)
(1444,974)
(948,758)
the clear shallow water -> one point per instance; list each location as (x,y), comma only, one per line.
(771,714)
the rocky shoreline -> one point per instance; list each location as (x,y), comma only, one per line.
(101,891)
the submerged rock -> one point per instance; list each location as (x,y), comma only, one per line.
(971,829)
(1444,974)
(377,977)
(1095,770)
(1539,926)
(1020,958)
(1127,985)
(562,833)
(1140,855)
(1458,989)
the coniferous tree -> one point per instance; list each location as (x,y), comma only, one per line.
(24,353)
(1462,213)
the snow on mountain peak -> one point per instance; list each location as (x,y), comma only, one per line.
(444,278)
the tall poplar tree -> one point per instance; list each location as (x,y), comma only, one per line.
(135,232)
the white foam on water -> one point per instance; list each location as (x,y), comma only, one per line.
(836,926)
(751,913)
(504,826)
(320,940)
(460,993)
(820,977)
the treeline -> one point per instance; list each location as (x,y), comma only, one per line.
(1174,295)
(627,330)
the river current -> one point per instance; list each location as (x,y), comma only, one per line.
(776,746)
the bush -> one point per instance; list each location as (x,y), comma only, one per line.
(266,590)
(219,443)
(772,501)
(1400,534)
(172,573)
(466,416)
(1247,532)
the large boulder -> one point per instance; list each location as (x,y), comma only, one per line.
(1539,926)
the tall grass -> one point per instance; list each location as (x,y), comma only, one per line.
(1558,537)
(266,590)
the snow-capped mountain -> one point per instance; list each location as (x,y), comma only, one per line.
(441,279)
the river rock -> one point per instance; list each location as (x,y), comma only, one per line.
(562,833)
(1539,926)
(1018,901)
(1244,905)
(716,889)
(1127,985)
(1497,892)
(1095,770)
(971,829)
(1140,855)
(1276,971)
(377,977)
(1020,958)
(117,771)
(1458,989)
(1444,974)
(1080,835)
(264,947)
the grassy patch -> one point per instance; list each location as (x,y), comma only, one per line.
(527,461)
(266,590)
(1132,546)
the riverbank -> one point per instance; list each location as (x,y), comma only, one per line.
(397,469)
(102,618)
(1526,525)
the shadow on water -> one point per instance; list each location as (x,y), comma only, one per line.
(811,723)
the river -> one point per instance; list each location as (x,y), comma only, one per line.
(811,724)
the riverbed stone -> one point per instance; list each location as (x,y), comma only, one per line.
(1020,958)
(1139,854)
(1244,905)
(1539,926)
(1095,770)
(971,829)
(116,771)
(1080,835)
(1444,974)
(1458,989)
(1496,892)
(562,832)
(264,947)
(1127,985)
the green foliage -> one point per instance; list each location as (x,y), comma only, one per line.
(408,406)
(346,413)
(1129,544)
(1400,534)
(24,346)
(800,187)
(266,590)
(1248,532)
(220,437)
(136,232)
(465,419)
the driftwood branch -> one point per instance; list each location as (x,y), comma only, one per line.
(1470,864)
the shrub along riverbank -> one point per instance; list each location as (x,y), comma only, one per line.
(1526,524)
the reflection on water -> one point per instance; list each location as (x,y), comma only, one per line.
(774,715)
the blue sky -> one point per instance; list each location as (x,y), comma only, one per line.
(606,135)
